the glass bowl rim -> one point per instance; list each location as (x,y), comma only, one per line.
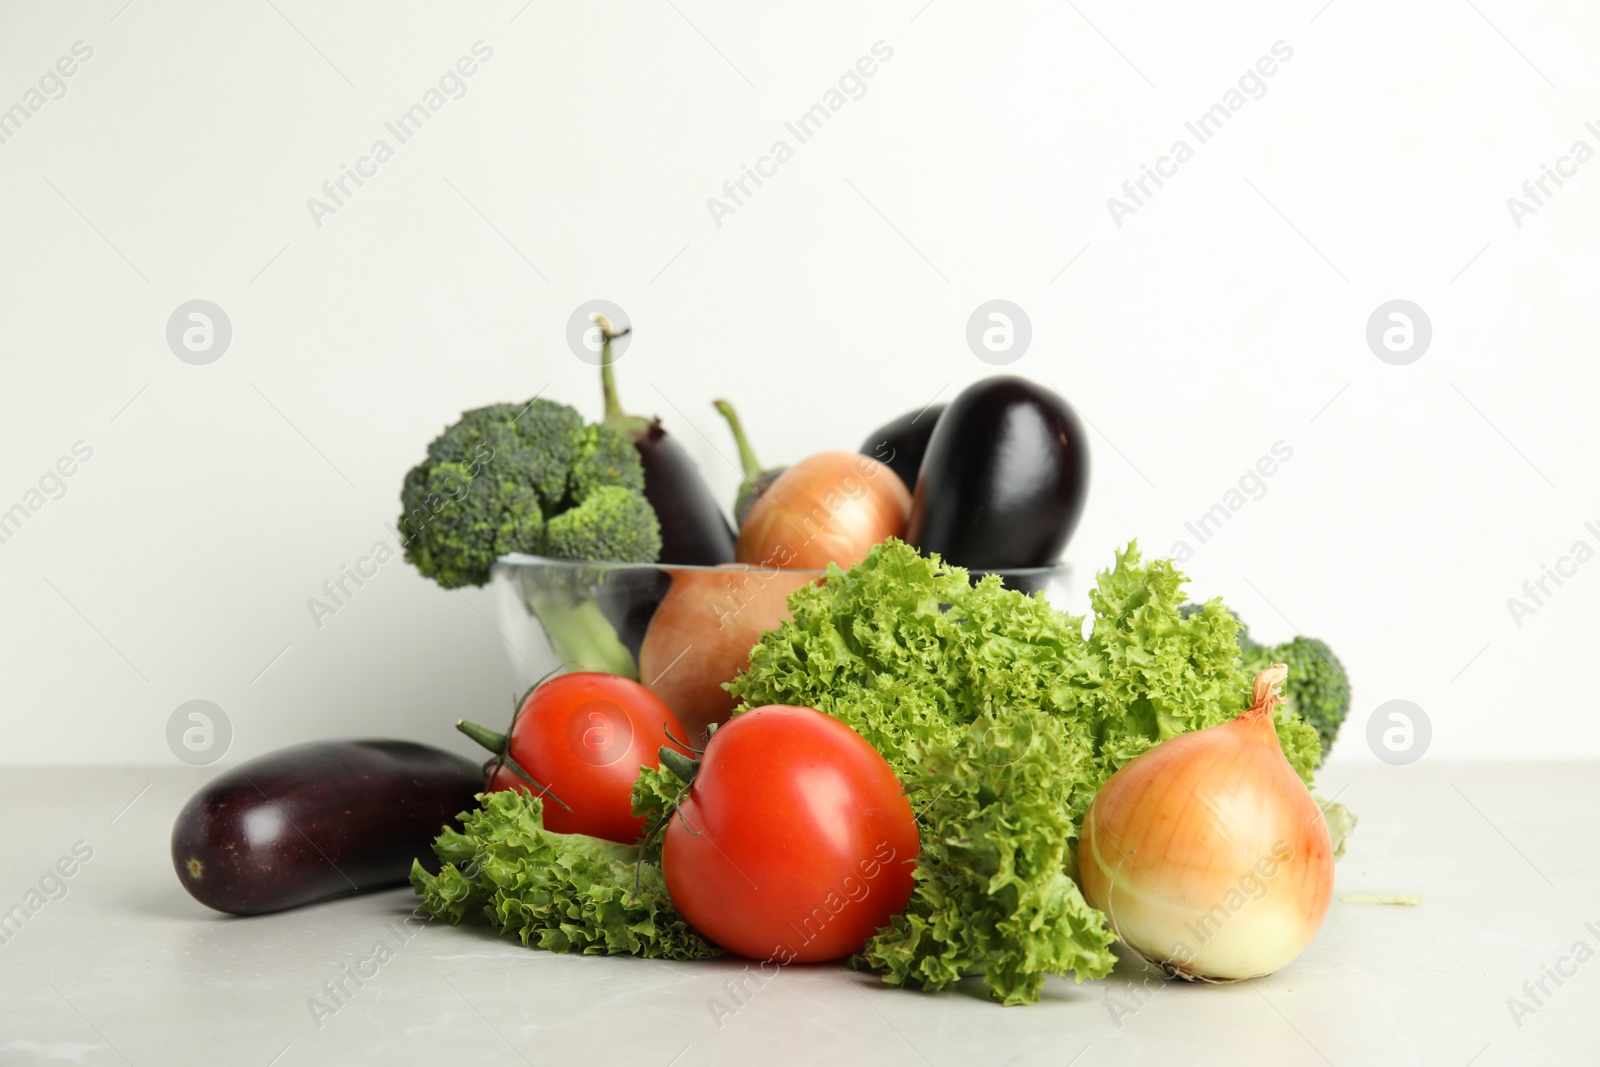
(523,559)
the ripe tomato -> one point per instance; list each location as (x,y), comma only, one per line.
(795,842)
(584,736)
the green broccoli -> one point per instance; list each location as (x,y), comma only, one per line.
(469,521)
(1318,689)
(612,523)
(496,481)
(540,440)
(606,456)
(533,478)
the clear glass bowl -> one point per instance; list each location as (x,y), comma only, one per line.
(560,615)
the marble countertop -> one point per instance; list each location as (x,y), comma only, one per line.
(117,965)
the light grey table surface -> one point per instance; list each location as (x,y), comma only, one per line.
(126,968)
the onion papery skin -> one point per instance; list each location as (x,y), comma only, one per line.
(1208,854)
(828,508)
(702,634)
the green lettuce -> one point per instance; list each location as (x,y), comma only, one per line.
(655,792)
(1001,717)
(562,892)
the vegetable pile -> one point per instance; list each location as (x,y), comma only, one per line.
(1000,718)
(850,727)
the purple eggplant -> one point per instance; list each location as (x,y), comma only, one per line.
(318,820)
(901,444)
(1003,481)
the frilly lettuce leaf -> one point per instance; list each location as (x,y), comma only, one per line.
(655,792)
(992,892)
(562,892)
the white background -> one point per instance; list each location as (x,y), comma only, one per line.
(1227,314)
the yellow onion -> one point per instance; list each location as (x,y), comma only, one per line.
(828,508)
(1207,853)
(702,634)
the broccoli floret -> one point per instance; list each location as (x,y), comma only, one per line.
(606,456)
(554,436)
(1318,689)
(533,478)
(459,443)
(1247,644)
(461,523)
(493,481)
(612,523)
(539,441)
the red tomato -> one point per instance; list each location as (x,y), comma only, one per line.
(584,737)
(795,841)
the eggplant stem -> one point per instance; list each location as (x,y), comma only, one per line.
(608,380)
(747,455)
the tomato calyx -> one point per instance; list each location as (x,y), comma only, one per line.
(681,765)
(500,745)
(686,769)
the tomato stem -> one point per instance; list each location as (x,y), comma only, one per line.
(685,767)
(493,741)
(679,764)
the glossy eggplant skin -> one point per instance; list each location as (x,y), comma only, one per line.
(1004,478)
(318,820)
(693,528)
(901,444)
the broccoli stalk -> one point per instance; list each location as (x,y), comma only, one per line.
(578,631)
